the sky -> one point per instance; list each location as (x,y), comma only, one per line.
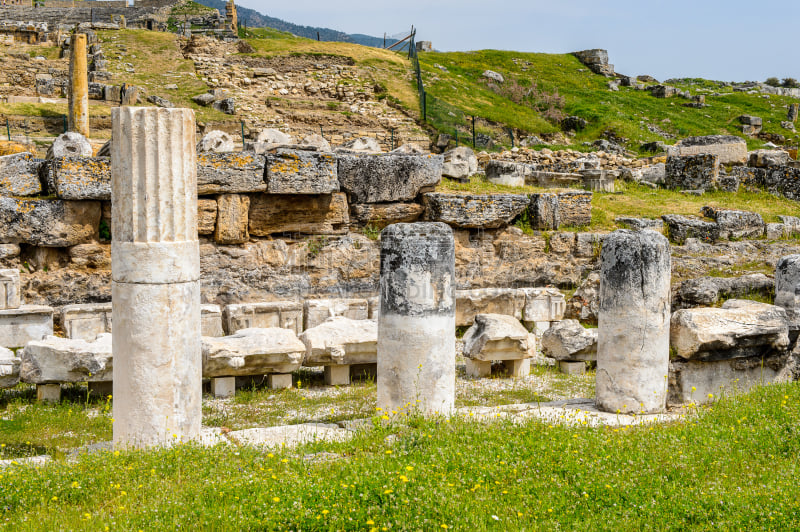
(729,40)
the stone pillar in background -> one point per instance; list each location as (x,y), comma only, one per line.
(78,115)
(417,321)
(787,291)
(155,266)
(633,322)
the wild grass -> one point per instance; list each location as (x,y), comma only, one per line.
(50,110)
(733,466)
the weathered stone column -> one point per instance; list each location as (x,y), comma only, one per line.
(78,115)
(417,320)
(787,290)
(633,322)
(155,266)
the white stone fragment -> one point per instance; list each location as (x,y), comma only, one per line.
(252,352)
(317,311)
(56,360)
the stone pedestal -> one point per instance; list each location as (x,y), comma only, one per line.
(279,381)
(633,322)
(25,324)
(222,387)
(155,270)
(416,323)
(78,96)
(787,290)
(572,367)
(48,393)
(337,375)
(9,289)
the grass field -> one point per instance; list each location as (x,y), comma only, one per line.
(731,467)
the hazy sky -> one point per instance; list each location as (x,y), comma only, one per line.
(729,40)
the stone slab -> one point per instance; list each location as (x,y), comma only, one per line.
(230,173)
(211,321)
(25,324)
(325,214)
(498,337)
(317,311)
(57,360)
(49,223)
(9,368)
(283,314)
(252,352)
(341,341)
(86,321)
(78,178)
(388,177)
(474,211)
(470,303)
(301,172)
(19,175)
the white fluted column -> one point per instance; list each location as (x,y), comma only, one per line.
(155,270)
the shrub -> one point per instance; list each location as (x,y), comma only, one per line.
(790,83)
(773,82)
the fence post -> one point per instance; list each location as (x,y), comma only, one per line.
(473,133)
(8,130)
(456,138)
(511,136)
(392,138)
(321,134)
(424,106)
(242,124)
(64,119)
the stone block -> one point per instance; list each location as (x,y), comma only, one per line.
(283,314)
(48,393)
(25,324)
(232,219)
(211,321)
(388,177)
(78,178)
(570,367)
(692,172)
(478,369)
(9,368)
(374,307)
(470,303)
(562,243)
(86,322)
(70,144)
(545,179)
(311,214)
(252,352)
(301,172)
(707,291)
(587,245)
(598,180)
(337,375)
(379,215)
(317,311)
(787,289)
(517,368)
(223,387)
(679,228)
(569,340)
(507,173)
(48,223)
(279,381)
(459,163)
(736,224)
(728,148)
(230,173)
(9,289)
(473,211)
(575,208)
(740,329)
(543,212)
(700,382)
(768,158)
(543,304)
(56,359)
(206,216)
(19,175)
(498,337)
(341,341)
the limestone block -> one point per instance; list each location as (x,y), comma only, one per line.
(283,314)
(86,322)
(575,208)
(215,141)
(562,243)
(301,172)
(273,136)
(19,175)
(416,324)
(317,311)
(633,328)
(316,141)
(679,228)
(692,172)
(699,382)
(206,216)
(24,324)
(388,177)
(787,289)
(570,367)
(543,304)
(222,387)
(598,180)
(9,289)
(585,302)
(9,368)
(70,144)
(498,337)
(474,211)
(553,179)
(478,369)
(569,340)
(232,219)
(739,329)
(374,307)
(48,393)
(736,224)
(299,213)
(640,223)
(279,381)
(252,352)
(56,359)
(767,158)
(211,321)
(727,148)
(507,173)
(341,341)
(78,178)
(707,291)
(49,223)
(459,163)
(543,212)
(379,215)
(362,145)
(470,303)
(230,173)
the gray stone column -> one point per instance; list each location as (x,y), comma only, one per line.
(155,266)
(787,290)
(78,96)
(633,322)
(417,320)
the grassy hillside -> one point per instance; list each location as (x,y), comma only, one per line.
(635,115)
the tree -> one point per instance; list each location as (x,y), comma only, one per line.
(790,83)
(773,82)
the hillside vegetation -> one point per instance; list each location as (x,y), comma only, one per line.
(563,86)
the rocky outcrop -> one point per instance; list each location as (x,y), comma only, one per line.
(597,61)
